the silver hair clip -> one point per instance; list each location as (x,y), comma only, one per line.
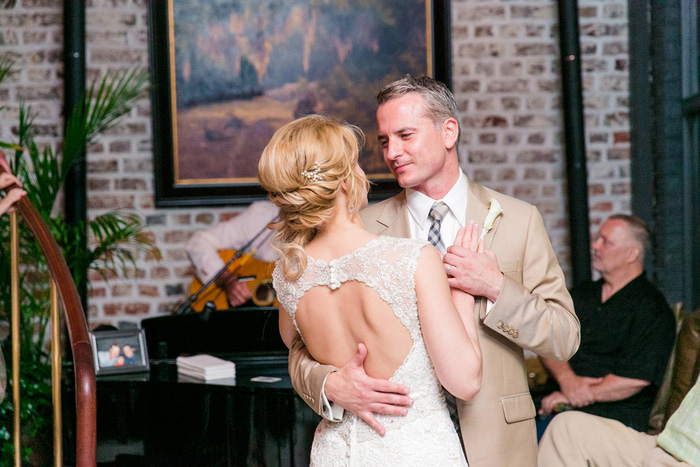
(313,175)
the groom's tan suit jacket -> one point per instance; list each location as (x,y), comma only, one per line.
(533,311)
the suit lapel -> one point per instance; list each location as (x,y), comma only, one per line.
(478,201)
(394,217)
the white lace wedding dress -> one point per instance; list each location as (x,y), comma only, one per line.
(424,437)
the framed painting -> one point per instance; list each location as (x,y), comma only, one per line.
(226,74)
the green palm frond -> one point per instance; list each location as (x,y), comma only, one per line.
(25,133)
(26,123)
(118,237)
(116,240)
(5,67)
(6,64)
(42,178)
(42,171)
(100,109)
(113,99)
(11,146)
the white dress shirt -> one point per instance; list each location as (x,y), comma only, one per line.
(419,206)
(456,199)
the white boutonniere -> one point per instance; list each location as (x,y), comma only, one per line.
(494,211)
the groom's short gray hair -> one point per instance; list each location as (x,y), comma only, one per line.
(440,102)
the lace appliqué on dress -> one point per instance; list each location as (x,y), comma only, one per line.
(424,437)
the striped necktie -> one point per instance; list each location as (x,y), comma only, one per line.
(436,214)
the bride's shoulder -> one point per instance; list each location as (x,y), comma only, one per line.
(414,242)
(407,246)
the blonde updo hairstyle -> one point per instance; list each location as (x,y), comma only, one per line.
(303,167)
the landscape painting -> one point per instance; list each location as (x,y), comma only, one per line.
(240,69)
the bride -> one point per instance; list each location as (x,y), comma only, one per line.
(340,287)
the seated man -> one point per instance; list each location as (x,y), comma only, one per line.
(576,439)
(233,234)
(627,333)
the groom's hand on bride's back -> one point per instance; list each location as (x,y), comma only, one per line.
(355,391)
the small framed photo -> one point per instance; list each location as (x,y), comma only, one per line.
(119,351)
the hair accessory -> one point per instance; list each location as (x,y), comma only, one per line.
(313,175)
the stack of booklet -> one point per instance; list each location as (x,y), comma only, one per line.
(205,367)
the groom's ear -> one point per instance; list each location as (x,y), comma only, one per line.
(450,132)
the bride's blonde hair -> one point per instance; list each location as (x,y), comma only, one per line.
(303,167)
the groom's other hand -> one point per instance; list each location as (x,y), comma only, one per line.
(355,391)
(473,270)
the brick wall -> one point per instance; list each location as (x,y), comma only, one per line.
(506,81)
(505,59)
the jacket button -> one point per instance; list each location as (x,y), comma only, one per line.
(516,334)
(500,325)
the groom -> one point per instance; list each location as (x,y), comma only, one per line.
(522,301)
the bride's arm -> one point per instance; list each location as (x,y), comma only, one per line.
(468,237)
(448,328)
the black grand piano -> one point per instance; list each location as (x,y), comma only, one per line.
(249,421)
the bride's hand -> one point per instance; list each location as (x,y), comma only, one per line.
(468,237)
(464,239)
(470,267)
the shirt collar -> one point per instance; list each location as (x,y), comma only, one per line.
(456,199)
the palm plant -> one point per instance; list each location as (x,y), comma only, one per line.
(115,239)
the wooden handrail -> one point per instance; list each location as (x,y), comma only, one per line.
(83,361)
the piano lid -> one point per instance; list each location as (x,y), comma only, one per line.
(244,331)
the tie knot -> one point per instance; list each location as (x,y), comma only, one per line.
(438,211)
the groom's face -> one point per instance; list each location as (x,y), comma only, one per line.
(414,148)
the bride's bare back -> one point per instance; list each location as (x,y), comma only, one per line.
(369,290)
(333,322)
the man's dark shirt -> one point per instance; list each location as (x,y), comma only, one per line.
(630,335)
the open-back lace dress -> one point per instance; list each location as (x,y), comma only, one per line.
(424,437)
